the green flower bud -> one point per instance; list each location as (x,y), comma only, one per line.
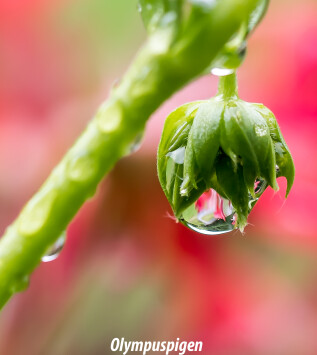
(225,144)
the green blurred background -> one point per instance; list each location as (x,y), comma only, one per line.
(127,269)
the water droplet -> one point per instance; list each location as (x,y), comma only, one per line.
(53,252)
(242,50)
(82,168)
(174,168)
(207,4)
(260,185)
(233,53)
(159,42)
(116,83)
(184,192)
(109,117)
(177,155)
(136,145)
(211,214)
(35,214)
(261,130)
(20,284)
(221,71)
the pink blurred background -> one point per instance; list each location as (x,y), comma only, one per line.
(127,270)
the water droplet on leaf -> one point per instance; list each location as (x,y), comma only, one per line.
(53,252)
(261,130)
(177,155)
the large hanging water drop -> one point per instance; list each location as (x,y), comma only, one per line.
(53,252)
(211,214)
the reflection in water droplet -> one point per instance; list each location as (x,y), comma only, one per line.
(259,187)
(53,252)
(221,71)
(211,214)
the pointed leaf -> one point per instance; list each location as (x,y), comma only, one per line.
(232,183)
(205,136)
(284,160)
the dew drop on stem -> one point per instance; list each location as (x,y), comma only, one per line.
(53,251)
(136,144)
(221,71)
(20,284)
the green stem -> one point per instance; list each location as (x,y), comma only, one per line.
(160,69)
(228,87)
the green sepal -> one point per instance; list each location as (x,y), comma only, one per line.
(258,134)
(170,157)
(246,138)
(205,133)
(203,144)
(231,179)
(284,161)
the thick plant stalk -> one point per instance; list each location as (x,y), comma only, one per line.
(164,64)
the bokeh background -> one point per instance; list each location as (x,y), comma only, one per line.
(127,269)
